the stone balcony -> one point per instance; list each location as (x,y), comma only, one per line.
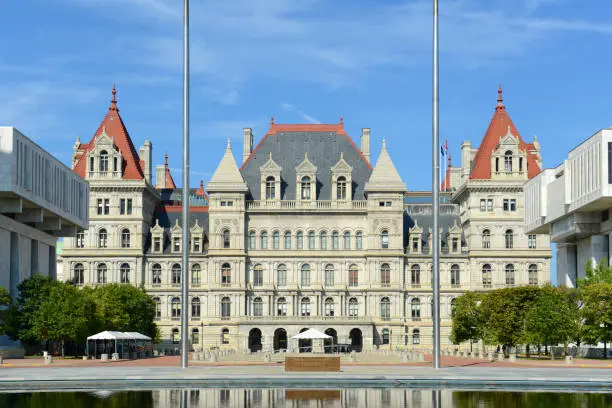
(312,205)
(305,319)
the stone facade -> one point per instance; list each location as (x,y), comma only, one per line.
(305,233)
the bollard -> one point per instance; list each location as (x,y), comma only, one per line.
(267,358)
(569,360)
(115,356)
(500,356)
(512,358)
(104,357)
(490,356)
(213,358)
(49,360)
(45,354)
(85,357)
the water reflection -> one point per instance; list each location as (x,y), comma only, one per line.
(299,398)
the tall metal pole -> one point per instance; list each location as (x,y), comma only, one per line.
(436,195)
(185,237)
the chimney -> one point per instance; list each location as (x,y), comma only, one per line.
(247,146)
(466,159)
(365,143)
(145,155)
(160,176)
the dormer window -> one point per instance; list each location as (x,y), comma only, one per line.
(341,188)
(176,244)
(508,162)
(103,161)
(157,244)
(305,188)
(196,244)
(270,188)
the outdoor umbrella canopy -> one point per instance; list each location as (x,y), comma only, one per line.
(311,334)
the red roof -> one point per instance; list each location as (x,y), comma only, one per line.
(115,128)
(446,183)
(169,181)
(306,127)
(497,129)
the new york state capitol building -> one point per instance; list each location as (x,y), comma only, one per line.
(308,231)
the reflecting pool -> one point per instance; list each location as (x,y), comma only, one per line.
(297,398)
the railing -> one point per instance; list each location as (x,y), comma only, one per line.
(307,318)
(306,205)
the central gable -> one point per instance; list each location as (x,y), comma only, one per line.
(323,150)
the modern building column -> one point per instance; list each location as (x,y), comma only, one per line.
(567,270)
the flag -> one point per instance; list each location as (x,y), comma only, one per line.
(445,146)
(442,152)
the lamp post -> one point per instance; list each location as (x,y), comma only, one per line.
(202,334)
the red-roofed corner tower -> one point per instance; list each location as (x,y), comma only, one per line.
(489,190)
(121,204)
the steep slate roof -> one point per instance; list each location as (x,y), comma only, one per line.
(289,143)
(498,128)
(425,221)
(115,128)
(167,216)
(385,176)
(227,177)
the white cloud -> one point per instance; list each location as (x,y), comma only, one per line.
(291,108)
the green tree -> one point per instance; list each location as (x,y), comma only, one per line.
(597,313)
(32,293)
(553,318)
(5,302)
(598,273)
(125,308)
(467,319)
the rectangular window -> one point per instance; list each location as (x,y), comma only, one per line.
(387,203)
(335,241)
(415,244)
(258,277)
(532,241)
(455,244)
(506,204)
(483,205)
(128,210)
(176,244)
(223,203)
(490,205)
(230,203)
(196,244)
(122,206)
(512,204)
(106,206)
(157,244)
(381,203)
(609,162)
(100,206)
(353,277)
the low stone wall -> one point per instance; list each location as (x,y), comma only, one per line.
(312,363)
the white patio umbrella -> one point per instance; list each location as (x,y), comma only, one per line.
(311,334)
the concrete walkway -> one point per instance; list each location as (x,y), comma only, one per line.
(475,377)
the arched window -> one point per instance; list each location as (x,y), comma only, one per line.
(251,239)
(385,336)
(226,308)
(258,272)
(486,276)
(384,239)
(533,274)
(156,272)
(329,275)
(157,302)
(341,188)
(195,336)
(359,240)
(102,238)
(124,272)
(281,275)
(300,240)
(287,239)
(257,307)
(281,307)
(305,275)
(196,274)
(175,308)
(509,275)
(125,238)
(508,161)
(416,336)
(176,337)
(176,274)
(305,187)
(415,309)
(353,276)
(509,239)
(353,307)
(195,308)
(311,240)
(329,307)
(263,238)
(347,240)
(270,188)
(335,240)
(323,240)
(455,276)
(226,238)
(453,307)
(276,240)
(305,307)
(415,275)
(226,274)
(385,308)
(102,273)
(103,161)
(385,275)
(486,239)
(225,336)
(79,274)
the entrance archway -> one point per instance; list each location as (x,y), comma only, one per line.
(255,340)
(328,344)
(304,345)
(280,339)
(356,340)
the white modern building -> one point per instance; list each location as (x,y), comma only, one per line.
(40,199)
(572,203)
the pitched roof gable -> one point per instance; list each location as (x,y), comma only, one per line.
(113,126)
(385,176)
(498,128)
(227,177)
(169,181)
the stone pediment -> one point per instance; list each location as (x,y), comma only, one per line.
(342,167)
(270,166)
(416,229)
(176,228)
(509,140)
(306,166)
(454,229)
(196,229)
(156,229)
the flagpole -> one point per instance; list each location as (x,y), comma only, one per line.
(185,235)
(436,195)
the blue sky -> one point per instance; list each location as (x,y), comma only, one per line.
(306,61)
